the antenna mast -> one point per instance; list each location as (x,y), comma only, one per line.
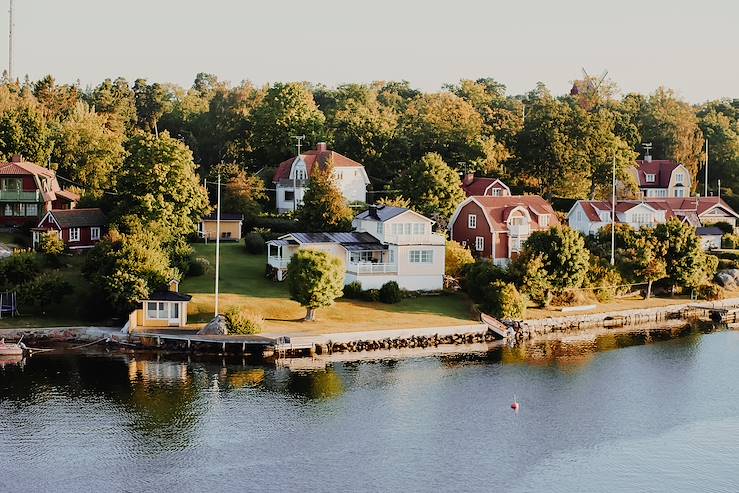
(10,43)
(299,138)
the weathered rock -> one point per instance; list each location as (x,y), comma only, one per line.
(731,272)
(217,326)
(726,280)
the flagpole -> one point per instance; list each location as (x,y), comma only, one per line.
(218,241)
(613,213)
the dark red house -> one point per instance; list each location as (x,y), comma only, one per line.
(79,228)
(28,191)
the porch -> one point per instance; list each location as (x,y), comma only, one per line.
(371,258)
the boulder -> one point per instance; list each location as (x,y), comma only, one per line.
(216,327)
(732,272)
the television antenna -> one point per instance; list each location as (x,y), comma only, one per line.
(10,42)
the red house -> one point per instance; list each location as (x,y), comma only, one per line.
(79,228)
(28,191)
(497,227)
(484,186)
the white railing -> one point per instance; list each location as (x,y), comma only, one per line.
(371,268)
(278,262)
(519,229)
(427,239)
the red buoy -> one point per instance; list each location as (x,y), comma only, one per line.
(515,406)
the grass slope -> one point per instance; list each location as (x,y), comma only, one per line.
(243,284)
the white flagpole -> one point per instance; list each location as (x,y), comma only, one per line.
(218,241)
(613,213)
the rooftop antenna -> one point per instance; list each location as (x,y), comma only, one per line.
(647,151)
(10,42)
(299,143)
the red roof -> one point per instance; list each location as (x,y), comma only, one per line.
(479,185)
(497,209)
(322,156)
(675,206)
(661,169)
(66,194)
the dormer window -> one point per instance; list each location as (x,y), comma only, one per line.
(300,174)
(650,177)
(544,220)
(679,178)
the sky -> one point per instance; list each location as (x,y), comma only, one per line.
(689,46)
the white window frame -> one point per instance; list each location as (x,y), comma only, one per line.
(95,233)
(479,243)
(679,192)
(421,256)
(497,192)
(380,228)
(544,220)
(650,177)
(680,178)
(472,221)
(74,234)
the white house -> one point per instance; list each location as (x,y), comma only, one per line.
(662,178)
(292,175)
(388,244)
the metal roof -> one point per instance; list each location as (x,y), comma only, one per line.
(381,212)
(365,247)
(342,238)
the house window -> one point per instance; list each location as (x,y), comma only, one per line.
(74,234)
(464,243)
(161,311)
(472,221)
(479,243)
(421,256)
(650,178)
(579,215)
(679,192)
(516,244)
(31,209)
(407,228)
(300,174)
(497,192)
(419,229)
(226,235)
(289,195)
(12,184)
(339,175)
(517,221)
(544,220)
(360,257)
(94,233)
(679,178)
(380,228)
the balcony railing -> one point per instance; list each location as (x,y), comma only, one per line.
(427,239)
(371,268)
(519,229)
(20,196)
(278,262)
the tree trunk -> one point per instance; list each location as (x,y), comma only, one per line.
(310,315)
(649,289)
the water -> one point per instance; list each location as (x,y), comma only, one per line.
(655,415)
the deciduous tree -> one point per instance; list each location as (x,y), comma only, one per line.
(324,208)
(315,279)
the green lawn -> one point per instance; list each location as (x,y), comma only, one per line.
(243,284)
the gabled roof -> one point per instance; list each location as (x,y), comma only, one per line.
(168,296)
(687,209)
(479,186)
(66,194)
(25,168)
(709,231)
(77,218)
(661,169)
(381,213)
(312,157)
(498,209)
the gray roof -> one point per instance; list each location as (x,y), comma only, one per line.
(76,218)
(709,231)
(364,247)
(225,216)
(168,296)
(381,212)
(342,238)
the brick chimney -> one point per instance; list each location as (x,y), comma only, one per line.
(321,147)
(16,158)
(468,178)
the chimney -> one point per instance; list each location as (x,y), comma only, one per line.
(373,212)
(16,158)
(174,286)
(321,147)
(469,177)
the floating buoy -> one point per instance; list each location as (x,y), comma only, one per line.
(515,406)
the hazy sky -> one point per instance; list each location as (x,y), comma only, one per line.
(690,46)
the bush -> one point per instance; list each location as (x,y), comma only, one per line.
(727,264)
(730,241)
(243,322)
(51,245)
(254,243)
(456,258)
(42,291)
(478,276)
(710,292)
(198,266)
(353,291)
(502,300)
(570,297)
(390,293)
(277,224)
(19,268)
(371,295)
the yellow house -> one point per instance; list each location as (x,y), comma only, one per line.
(161,309)
(231,225)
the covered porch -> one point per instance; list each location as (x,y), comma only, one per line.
(370,258)
(279,253)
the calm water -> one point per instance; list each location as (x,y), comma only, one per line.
(652,416)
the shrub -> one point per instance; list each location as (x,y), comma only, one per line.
(51,245)
(570,297)
(41,291)
(710,292)
(277,224)
(390,293)
(727,264)
(371,295)
(730,241)
(353,291)
(19,268)
(605,280)
(254,243)
(456,258)
(728,255)
(502,300)
(198,266)
(239,321)
(478,276)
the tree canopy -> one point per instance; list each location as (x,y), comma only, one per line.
(315,279)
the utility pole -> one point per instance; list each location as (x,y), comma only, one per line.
(613,213)
(299,139)
(10,43)
(705,190)
(218,241)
